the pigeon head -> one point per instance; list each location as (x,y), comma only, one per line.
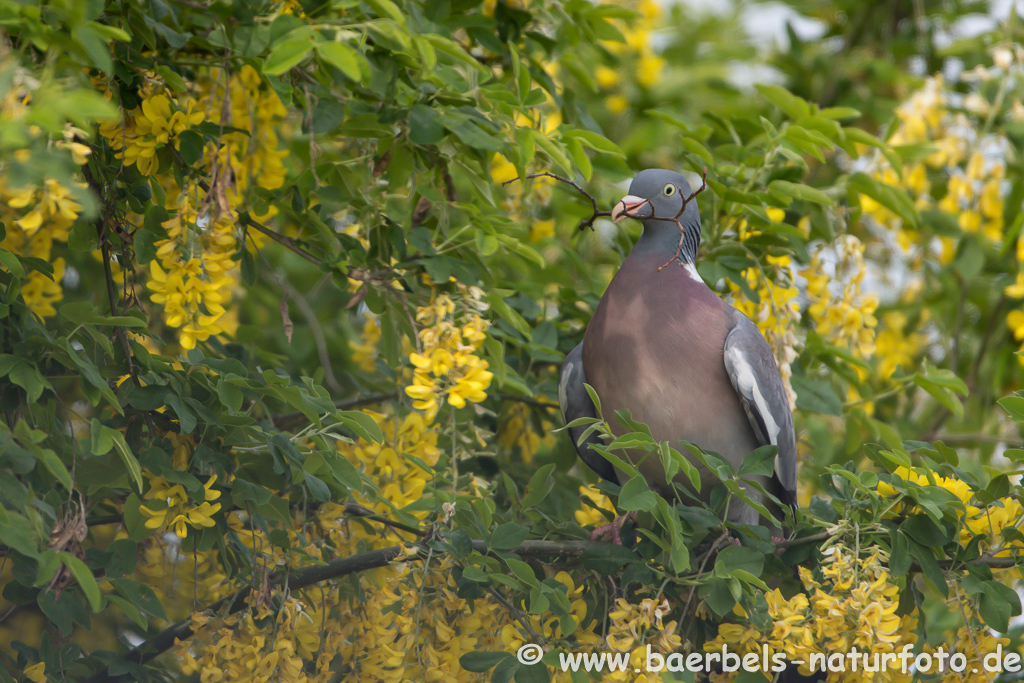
(656,197)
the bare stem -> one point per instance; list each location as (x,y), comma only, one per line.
(584,223)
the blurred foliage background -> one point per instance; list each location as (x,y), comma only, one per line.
(279,345)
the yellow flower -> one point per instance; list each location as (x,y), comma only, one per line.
(591,516)
(448,369)
(179,513)
(616,104)
(36,673)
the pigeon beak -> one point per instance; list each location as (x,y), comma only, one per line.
(623,208)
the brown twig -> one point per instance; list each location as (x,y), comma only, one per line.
(584,223)
(526,400)
(357,510)
(103,221)
(283,240)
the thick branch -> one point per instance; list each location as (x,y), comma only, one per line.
(310,576)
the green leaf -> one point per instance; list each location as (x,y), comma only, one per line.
(54,465)
(425,126)
(317,488)
(891,198)
(997,603)
(594,141)
(524,250)
(362,424)
(580,157)
(540,485)
(508,536)
(840,113)
(481,660)
(387,9)
(552,150)
(343,57)
(816,395)
(510,315)
(140,595)
(286,55)
(12,263)
(85,579)
(522,570)
(799,191)
(736,557)
(17,533)
(230,395)
(1014,405)
(760,462)
(84,313)
(104,438)
(637,495)
(795,107)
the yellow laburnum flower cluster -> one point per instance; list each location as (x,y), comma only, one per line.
(180,513)
(965,174)
(400,481)
(448,369)
(894,346)
(637,56)
(181,579)
(158,121)
(635,627)
(272,645)
(846,319)
(974,640)
(517,432)
(976,520)
(256,159)
(853,605)
(776,313)
(365,351)
(37,216)
(192,275)
(427,629)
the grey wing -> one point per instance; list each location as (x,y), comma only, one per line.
(575,403)
(755,377)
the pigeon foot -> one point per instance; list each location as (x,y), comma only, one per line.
(601,533)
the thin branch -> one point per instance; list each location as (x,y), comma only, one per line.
(357,510)
(526,400)
(823,536)
(314,328)
(288,421)
(106,519)
(102,222)
(584,223)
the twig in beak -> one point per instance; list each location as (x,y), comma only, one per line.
(682,231)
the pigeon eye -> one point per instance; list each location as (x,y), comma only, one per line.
(669,190)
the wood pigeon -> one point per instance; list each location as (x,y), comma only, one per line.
(665,347)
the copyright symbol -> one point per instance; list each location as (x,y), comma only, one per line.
(529,654)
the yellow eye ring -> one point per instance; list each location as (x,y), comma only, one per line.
(669,190)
